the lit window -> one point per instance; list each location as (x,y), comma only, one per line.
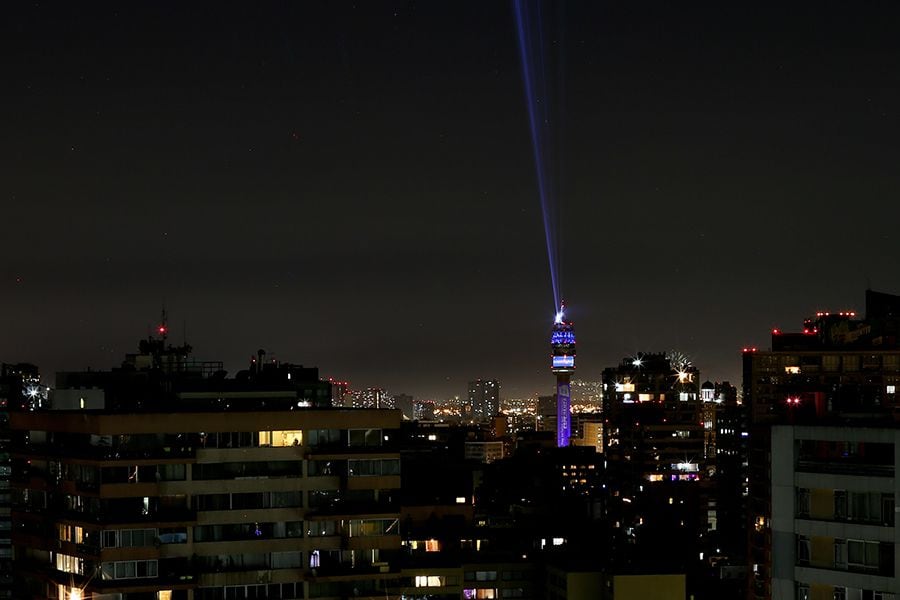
(891,389)
(792,370)
(280,439)
(432,546)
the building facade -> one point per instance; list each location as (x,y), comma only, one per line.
(165,480)
(840,368)
(833,513)
(484,398)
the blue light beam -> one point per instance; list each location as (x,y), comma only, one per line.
(531,52)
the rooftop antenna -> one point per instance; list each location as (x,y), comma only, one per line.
(163,329)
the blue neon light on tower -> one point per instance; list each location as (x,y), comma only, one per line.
(562,344)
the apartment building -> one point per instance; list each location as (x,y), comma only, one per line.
(166,480)
(280,504)
(833,513)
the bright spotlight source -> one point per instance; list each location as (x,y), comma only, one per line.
(558,318)
(637,362)
(75,594)
(682,376)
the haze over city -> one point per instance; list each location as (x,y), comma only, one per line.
(352,185)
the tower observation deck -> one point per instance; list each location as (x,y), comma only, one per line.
(562,345)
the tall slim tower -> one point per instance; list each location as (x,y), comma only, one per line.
(562,344)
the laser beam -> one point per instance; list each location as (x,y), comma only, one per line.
(529,29)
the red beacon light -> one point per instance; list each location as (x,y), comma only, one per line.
(775,331)
(162,330)
(793,400)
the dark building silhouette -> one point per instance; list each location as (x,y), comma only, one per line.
(484,398)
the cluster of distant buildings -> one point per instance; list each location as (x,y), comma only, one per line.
(165,478)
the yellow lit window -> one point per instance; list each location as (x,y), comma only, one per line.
(279,439)
(432,546)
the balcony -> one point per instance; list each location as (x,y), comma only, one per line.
(354,509)
(845,468)
(106,453)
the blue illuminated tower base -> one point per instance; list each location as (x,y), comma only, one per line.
(562,344)
(563,412)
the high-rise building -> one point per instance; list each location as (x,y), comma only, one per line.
(653,419)
(658,475)
(484,398)
(424,410)
(839,368)
(20,389)
(834,491)
(164,480)
(340,391)
(369,398)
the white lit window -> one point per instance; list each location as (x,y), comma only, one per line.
(429,581)
(891,389)
(792,370)
(70,564)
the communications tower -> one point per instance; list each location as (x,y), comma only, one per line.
(562,345)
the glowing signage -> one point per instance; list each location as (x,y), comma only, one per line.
(562,336)
(563,362)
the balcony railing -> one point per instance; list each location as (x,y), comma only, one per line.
(845,468)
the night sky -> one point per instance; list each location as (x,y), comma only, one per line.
(351,185)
